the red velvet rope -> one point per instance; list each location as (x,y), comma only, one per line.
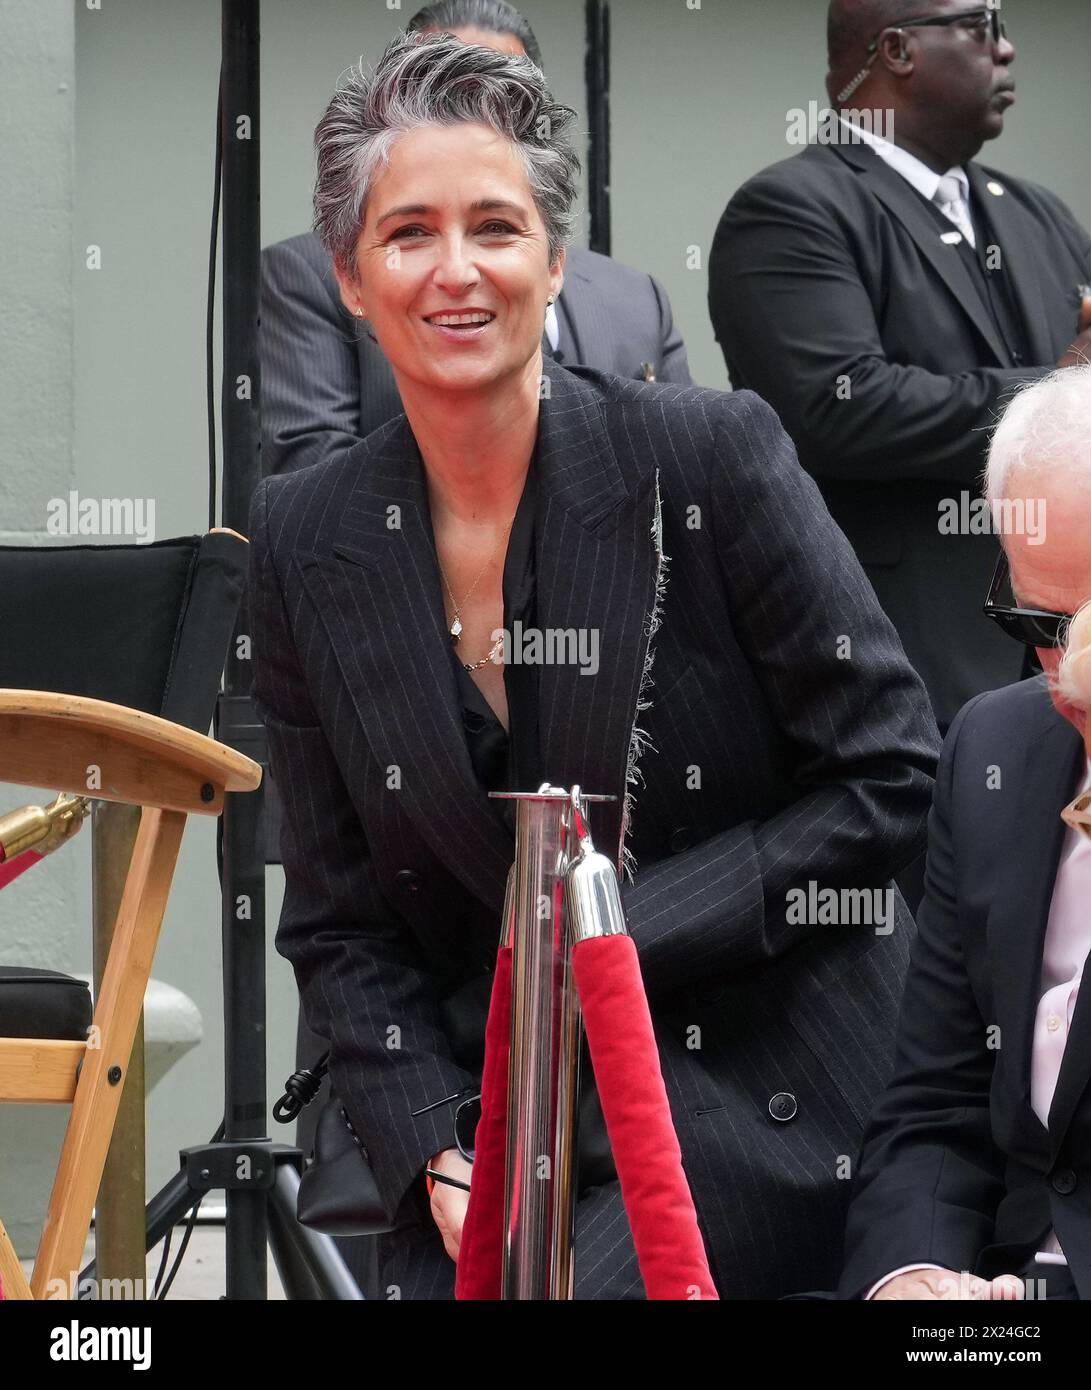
(625,1060)
(481,1250)
(12,870)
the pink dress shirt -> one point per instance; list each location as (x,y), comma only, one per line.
(1068,940)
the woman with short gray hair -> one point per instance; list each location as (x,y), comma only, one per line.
(466,601)
(460,86)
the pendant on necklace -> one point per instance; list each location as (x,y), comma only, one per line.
(455,630)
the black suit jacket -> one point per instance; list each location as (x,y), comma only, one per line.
(772,762)
(957,1169)
(829,268)
(326,385)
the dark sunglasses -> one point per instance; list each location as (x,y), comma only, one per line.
(1034,627)
(467,1115)
(986,18)
(976,21)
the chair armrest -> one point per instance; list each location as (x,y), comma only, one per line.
(113,753)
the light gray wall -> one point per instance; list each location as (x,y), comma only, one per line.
(103,370)
(38,923)
(36,351)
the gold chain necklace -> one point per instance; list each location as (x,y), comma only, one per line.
(455,630)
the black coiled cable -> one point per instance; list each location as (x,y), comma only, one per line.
(300,1089)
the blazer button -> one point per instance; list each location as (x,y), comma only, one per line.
(1064,1181)
(681,839)
(783,1107)
(408,880)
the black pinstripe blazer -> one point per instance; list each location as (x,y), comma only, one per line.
(776,756)
(325,385)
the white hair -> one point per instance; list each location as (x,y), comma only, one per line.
(1046,425)
(1073,678)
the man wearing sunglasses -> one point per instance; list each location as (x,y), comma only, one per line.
(887,294)
(976,1164)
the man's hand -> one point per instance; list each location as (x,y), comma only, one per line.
(449,1203)
(945,1284)
(1080,351)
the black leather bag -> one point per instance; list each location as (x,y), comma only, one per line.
(338,1194)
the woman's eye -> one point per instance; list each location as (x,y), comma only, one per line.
(489,229)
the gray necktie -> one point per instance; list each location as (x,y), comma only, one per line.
(948,198)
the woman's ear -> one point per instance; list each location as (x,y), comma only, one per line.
(556,273)
(349,287)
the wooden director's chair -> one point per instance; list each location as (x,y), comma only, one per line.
(104,750)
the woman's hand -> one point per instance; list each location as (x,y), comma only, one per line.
(449,1203)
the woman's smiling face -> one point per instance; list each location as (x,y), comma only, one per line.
(452,229)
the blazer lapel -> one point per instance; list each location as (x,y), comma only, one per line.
(907,205)
(598,559)
(378,593)
(1019,913)
(589,327)
(1019,242)
(379,598)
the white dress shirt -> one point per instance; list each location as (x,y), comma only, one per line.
(926,181)
(552,327)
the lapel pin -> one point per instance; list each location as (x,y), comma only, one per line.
(950,238)
(996,189)
(647,371)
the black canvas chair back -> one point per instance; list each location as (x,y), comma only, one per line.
(146,626)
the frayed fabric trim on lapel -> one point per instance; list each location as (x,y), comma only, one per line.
(638,738)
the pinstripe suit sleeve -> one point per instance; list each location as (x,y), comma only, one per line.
(364,985)
(859,718)
(673,362)
(309,372)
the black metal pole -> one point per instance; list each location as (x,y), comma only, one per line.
(243,886)
(597,78)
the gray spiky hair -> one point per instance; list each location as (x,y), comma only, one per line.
(434,79)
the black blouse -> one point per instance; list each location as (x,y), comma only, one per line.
(508,760)
(511,761)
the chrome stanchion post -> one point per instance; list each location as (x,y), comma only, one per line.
(537,968)
(540,1183)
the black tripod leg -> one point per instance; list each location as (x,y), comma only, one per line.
(165,1210)
(309,1264)
(173,1200)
